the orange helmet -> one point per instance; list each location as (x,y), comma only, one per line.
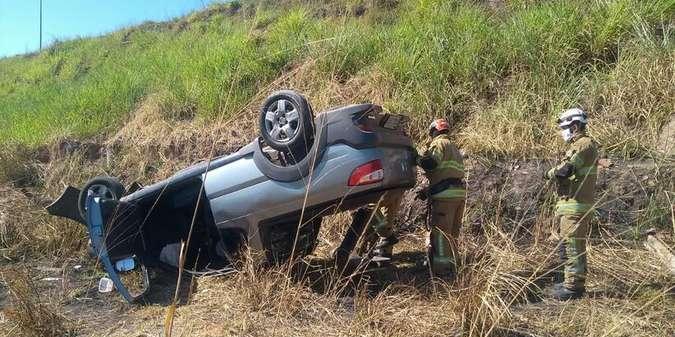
(439,125)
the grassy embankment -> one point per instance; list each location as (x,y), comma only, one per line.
(158,95)
(501,73)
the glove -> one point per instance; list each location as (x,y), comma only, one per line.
(427,162)
(565,171)
(421,195)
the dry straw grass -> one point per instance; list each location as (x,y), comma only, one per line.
(632,103)
(497,294)
(501,272)
(29,314)
(27,232)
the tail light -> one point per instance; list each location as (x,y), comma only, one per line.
(368,173)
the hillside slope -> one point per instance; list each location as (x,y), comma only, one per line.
(500,70)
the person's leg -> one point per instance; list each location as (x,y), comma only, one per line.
(559,275)
(455,227)
(383,222)
(574,229)
(389,207)
(443,242)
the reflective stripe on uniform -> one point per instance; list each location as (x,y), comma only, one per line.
(450,193)
(450,168)
(450,164)
(572,207)
(440,243)
(443,260)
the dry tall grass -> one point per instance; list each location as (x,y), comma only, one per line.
(27,232)
(31,314)
(498,293)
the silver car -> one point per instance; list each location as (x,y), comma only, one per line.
(270,195)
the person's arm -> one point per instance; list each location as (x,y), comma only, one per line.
(431,157)
(568,167)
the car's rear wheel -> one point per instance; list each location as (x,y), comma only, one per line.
(287,123)
(103,187)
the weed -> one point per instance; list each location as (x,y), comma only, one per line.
(31,316)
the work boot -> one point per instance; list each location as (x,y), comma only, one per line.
(443,269)
(385,247)
(445,275)
(562,293)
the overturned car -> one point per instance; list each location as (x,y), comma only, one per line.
(270,195)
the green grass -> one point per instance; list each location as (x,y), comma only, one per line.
(501,72)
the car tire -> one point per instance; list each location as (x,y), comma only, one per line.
(287,123)
(106,187)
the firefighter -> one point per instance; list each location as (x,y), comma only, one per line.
(444,168)
(575,178)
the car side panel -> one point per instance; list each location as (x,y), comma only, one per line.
(252,198)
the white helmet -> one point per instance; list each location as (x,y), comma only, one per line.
(569,116)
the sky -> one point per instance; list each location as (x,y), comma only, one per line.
(67,19)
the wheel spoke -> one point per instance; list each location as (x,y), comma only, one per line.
(288,131)
(281,105)
(275,132)
(292,115)
(99,190)
(269,115)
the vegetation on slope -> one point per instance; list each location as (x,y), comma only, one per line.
(156,96)
(500,70)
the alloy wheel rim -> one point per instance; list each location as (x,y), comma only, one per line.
(282,121)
